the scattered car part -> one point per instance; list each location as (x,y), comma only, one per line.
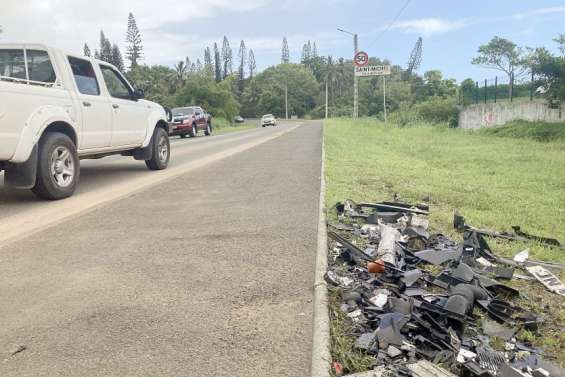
(550,281)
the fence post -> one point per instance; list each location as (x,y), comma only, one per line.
(476,92)
(532,87)
(511,86)
(495,87)
(485,90)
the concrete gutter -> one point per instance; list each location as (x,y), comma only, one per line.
(321,357)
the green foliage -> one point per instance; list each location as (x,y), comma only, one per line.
(438,110)
(501,54)
(550,70)
(217,99)
(265,92)
(521,129)
(157,81)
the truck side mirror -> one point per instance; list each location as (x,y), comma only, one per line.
(138,94)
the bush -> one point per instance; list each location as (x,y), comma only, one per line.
(438,110)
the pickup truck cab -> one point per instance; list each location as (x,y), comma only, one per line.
(57,108)
(189,121)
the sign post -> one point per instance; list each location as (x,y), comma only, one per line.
(366,70)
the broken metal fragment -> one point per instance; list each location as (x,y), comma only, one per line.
(424,368)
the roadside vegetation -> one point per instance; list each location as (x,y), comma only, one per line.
(495,182)
(521,129)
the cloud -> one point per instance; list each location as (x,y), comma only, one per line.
(430,26)
(68,24)
(539,12)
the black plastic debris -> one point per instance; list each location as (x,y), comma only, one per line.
(413,297)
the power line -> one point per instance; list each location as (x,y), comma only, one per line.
(392,23)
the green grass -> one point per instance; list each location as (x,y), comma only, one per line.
(494,182)
(222,126)
(521,129)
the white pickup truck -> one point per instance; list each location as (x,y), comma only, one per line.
(57,108)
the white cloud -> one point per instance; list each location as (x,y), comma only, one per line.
(69,23)
(539,12)
(430,26)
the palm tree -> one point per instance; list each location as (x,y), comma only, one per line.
(332,77)
(181,71)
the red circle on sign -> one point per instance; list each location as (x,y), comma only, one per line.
(361,59)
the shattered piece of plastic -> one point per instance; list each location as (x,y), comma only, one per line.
(522,256)
(412,276)
(424,368)
(482,261)
(355,315)
(465,355)
(495,329)
(343,281)
(438,257)
(550,281)
(365,341)
(463,273)
(380,299)
(393,352)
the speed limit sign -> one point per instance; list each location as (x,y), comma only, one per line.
(361,59)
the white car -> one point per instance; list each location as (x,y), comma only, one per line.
(268,120)
(57,108)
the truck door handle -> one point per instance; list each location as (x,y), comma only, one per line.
(86,104)
(115,106)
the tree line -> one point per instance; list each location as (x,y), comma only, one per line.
(229,84)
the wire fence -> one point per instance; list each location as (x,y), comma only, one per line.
(501,89)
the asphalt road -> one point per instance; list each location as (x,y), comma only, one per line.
(203,271)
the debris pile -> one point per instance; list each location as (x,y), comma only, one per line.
(416,297)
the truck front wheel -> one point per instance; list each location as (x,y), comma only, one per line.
(161,149)
(58,167)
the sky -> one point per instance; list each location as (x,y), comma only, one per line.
(451,30)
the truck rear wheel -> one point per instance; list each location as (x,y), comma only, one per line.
(193,131)
(58,167)
(208,131)
(161,149)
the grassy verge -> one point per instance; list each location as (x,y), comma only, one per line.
(495,182)
(222,126)
(520,129)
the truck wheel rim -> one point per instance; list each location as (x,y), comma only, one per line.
(163,149)
(62,166)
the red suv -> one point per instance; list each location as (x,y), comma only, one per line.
(189,121)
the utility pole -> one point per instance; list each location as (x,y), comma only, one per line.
(286,101)
(355,82)
(384,96)
(326,98)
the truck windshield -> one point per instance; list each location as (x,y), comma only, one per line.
(183,112)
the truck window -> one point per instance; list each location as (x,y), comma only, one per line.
(40,67)
(12,64)
(115,83)
(85,77)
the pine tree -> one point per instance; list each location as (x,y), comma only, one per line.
(314,51)
(134,52)
(227,57)
(217,63)
(285,54)
(207,57)
(252,64)
(117,59)
(242,57)
(198,65)
(306,53)
(105,52)
(86,50)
